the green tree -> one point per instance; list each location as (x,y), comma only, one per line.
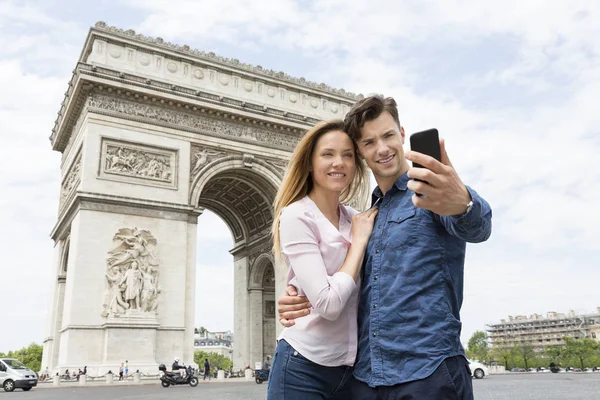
(582,349)
(503,351)
(555,353)
(215,360)
(31,356)
(477,347)
(526,352)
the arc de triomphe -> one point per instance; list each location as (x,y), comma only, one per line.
(151,134)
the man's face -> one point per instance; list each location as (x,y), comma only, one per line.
(380,144)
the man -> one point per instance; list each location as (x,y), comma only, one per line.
(412,284)
(206,369)
(267,363)
(177,368)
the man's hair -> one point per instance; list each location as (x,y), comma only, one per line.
(366,110)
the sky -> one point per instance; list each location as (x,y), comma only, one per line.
(512,86)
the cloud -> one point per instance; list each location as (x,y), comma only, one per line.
(511,85)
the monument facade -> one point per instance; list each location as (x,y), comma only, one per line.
(152,134)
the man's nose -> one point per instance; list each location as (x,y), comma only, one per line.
(382,148)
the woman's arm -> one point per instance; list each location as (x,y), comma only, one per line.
(327,294)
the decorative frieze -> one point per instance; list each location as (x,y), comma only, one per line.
(137,163)
(180,119)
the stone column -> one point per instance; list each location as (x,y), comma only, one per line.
(256,326)
(190,290)
(241,356)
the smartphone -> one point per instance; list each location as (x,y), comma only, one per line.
(426,142)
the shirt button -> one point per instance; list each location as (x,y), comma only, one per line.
(377,251)
(374,334)
(295,353)
(375,277)
(374,305)
(379,227)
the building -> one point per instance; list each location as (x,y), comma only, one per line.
(215,342)
(539,331)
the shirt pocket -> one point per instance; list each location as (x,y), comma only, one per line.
(402,228)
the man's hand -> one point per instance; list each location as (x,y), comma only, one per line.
(444,192)
(291,306)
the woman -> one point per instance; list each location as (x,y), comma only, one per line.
(322,243)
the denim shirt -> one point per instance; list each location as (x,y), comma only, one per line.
(412,292)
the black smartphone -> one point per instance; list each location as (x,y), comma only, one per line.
(426,142)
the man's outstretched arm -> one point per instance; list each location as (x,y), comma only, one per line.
(290,306)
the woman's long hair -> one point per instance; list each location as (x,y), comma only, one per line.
(297,182)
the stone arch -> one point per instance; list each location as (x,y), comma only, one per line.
(259,267)
(240,193)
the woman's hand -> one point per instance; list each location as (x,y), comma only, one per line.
(362,225)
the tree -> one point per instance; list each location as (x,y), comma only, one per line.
(555,353)
(31,356)
(477,347)
(582,349)
(214,359)
(503,351)
(526,352)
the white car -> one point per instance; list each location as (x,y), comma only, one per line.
(478,370)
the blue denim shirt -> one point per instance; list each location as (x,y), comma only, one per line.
(412,292)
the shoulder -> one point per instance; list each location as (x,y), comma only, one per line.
(298,210)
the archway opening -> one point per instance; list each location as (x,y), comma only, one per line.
(235,274)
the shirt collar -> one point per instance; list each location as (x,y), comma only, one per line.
(400,184)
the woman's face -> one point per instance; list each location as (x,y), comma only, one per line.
(332,164)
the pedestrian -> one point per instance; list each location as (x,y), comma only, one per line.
(322,243)
(412,290)
(206,370)
(126,369)
(121,368)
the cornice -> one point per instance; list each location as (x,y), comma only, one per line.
(122,205)
(229,62)
(87,77)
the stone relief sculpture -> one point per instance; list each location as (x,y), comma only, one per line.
(137,163)
(204,124)
(202,156)
(71,180)
(132,274)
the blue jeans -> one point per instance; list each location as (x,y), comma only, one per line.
(450,381)
(293,377)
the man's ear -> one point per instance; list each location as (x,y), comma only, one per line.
(402,133)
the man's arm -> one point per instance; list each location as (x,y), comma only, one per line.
(474,226)
(291,306)
(447,196)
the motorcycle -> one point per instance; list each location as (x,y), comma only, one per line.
(260,375)
(554,368)
(169,378)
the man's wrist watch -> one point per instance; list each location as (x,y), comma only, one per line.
(469,207)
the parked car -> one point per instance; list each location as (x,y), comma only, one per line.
(15,375)
(517,370)
(478,370)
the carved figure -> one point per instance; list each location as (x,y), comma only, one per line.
(115,304)
(132,273)
(133,286)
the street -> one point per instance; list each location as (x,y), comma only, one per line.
(496,387)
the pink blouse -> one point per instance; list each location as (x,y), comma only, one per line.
(314,250)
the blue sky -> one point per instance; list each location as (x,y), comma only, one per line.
(512,85)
